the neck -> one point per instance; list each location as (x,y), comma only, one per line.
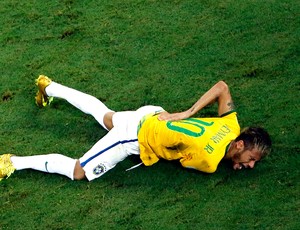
(229,152)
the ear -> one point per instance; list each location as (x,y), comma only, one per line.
(240,145)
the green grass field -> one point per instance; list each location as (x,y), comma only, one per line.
(131,53)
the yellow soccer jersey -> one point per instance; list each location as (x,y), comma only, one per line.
(199,143)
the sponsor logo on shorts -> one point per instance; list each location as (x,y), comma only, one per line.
(99,169)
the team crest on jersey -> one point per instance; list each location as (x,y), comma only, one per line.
(99,169)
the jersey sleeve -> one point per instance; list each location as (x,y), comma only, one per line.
(197,163)
(147,156)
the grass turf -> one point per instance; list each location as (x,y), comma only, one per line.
(132,53)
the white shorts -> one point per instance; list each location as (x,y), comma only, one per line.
(120,142)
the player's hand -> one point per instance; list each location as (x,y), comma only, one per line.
(237,166)
(165,116)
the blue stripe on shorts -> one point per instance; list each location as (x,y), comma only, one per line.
(106,149)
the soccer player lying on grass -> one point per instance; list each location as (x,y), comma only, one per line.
(152,133)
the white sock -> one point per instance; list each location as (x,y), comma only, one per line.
(85,102)
(51,163)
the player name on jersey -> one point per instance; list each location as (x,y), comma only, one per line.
(217,138)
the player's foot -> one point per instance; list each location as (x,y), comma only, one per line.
(6,166)
(42,98)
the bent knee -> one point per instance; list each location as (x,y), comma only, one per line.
(107,120)
(79,173)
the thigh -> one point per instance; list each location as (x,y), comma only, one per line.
(128,122)
(132,118)
(104,155)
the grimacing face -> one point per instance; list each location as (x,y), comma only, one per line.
(245,159)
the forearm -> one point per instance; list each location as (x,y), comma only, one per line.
(218,93)
(211,96)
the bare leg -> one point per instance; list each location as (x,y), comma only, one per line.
(108,120)
(79,173)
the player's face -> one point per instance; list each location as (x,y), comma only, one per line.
(245,159)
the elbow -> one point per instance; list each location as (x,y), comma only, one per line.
(222,86)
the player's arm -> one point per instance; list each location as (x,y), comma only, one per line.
(193,159)
(218,93)
(200,165)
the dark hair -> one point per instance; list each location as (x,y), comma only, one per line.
(256,137)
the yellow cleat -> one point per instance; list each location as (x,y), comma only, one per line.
(42,98)
(6,166)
